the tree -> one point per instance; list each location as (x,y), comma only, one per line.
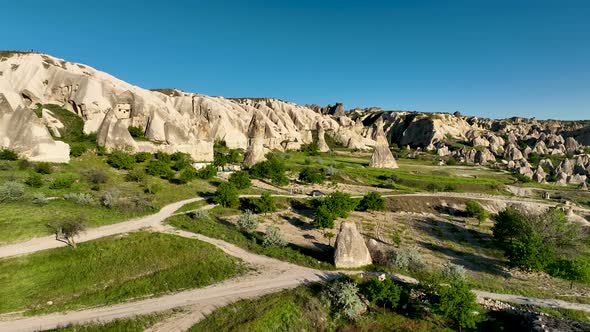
(386,292)
(187,175)
(577,269)
(323,218)
(329,236)
(273,168)
(66,230)
(135,132)
(273,237)
(311,175)
(310,149)
(240,179)
(159,168)
(226,195)
(458,303)
(475,210)
(207,173)
(265,204)
(248,222)
(34,180)
(11,191)
(371,201)
(340,204)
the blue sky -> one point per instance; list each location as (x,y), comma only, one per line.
(487,58)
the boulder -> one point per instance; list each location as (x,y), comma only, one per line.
(540,175)
(351,250)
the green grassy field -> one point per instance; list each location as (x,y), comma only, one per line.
(219,229)
(21,220)
(301,310)
(110,270)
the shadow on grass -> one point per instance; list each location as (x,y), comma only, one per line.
(472,262)
(442,230)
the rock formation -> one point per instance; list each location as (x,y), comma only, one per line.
(321,142)
(382,156)
(256,130)
(351,250)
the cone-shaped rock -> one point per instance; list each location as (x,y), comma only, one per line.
(255,151)
(322,145)
(351,250)
(382,156)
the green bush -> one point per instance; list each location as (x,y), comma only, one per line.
(311,175)
(273,238)
(577,269)
(135,175)
(163,156)
(79,198)
(8,154)
(159,168)
(458,303)
(311,149)
(323,218)
(475,210)
(140,157)
(187,175)
(342,296)
(34,180)
(95,176)
(43,168)
(24,165)
(226,195)
(247,222)
(135,132)
(406,259)
(273,168)
(265,204)
(62,182)
(336,205)
(241,180)
(40,199)
(384,293)
(11,191)
(179,165)
(177,156)
(372,201)
(76,150)
(121,160)
(207,173)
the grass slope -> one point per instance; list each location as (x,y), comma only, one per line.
(110,270)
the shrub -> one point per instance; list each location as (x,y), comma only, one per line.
(163,156)
(311,149)
(76,150)
(62,182)
(135,131)
(187,175)
(159,168)
(177,156)
(241,180)
(273,237)
(248,222)
(66,229)
(323,218)
(452,271)
(226,195)
(140,157)
(372,201)
(79,198)
(11,191)
(407,259)
(24,164)
(40,199)
(152,188)
(95,176)
(475,210)
(8,154)
(34,180)
(199,214)
(43,168)
(343,297)
(340,204)
(135,175)
(458,303)
(5,166)
(273,169)
(265,204)
(181,164)
(311,175)
(386,292)
(577,269)
(207,173)
(121,160)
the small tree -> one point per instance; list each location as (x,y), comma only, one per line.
(248,222)
(372,201)
(66,230)
(227,195)
(95,176)
(329,236)
(34,180)
(207,173)
(159,168)
(241,180)
(475,210)
(311,175)
(135,132)
(311,149)
(386,292)
(265,204)
(458,303)
(11,191)
(340,204)
(273,237)
(121,160)
(573,270)
(323,218)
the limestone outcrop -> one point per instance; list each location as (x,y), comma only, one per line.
(351,250)
(382,156)
(321,142)
(256,133)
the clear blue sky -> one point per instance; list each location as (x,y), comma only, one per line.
(488,58)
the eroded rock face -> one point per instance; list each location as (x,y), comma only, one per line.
(382,156)
(351,250)
(322,145)
(256,132)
